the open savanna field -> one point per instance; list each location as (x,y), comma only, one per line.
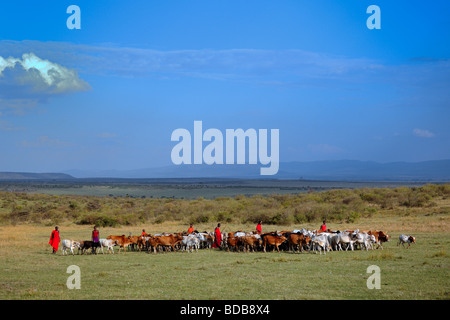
(28,270)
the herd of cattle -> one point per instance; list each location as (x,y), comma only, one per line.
(295,241)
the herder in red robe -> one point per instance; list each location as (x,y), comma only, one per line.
(323,227)
(54,239)
(217,243)
(191,229)
(95,235)
(258,228)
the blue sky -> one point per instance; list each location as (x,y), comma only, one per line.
(137,70)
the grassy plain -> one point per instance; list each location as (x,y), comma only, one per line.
(28,270)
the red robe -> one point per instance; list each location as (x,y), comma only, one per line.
(54,240)
(218,240)
(95,235)
(258,228)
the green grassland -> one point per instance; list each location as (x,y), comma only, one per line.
(28,270)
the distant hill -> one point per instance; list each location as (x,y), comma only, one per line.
(340,170)
(34,176)
(436,170)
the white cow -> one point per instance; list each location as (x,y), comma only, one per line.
(372,241)
(308,233)
(363,239)
(204,239)
(346,238)
(319,243)
(402,239)
(190,242)
(69,244)
(108,243)
(333,240)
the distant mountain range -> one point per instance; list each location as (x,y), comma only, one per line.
(339,170)
(34,176)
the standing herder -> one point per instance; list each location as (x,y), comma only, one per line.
(258,228)
(95,235)
(54,239)
(218,241)
(95,239)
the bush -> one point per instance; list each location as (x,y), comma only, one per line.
(224,216)
(203,218)
(281,218)
(369,212)
(300,218)
(93,205)
(159,220)
(98,220)
(18,216)
(353,217)
(279,209)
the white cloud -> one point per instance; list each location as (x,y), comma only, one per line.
(417,81)
(204,63)
(423,133)
(33,78)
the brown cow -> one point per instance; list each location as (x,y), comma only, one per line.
(296,239)
(210,238)
(250,242)
(380,237)
(122,241)
(141,243)
(151,243)
(233,242)
(273,240)
(115,237)
(134,241)
(166,240)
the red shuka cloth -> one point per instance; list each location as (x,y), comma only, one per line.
(324,227)
(218,241)
(54,240)
(95,234)
(258,228)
